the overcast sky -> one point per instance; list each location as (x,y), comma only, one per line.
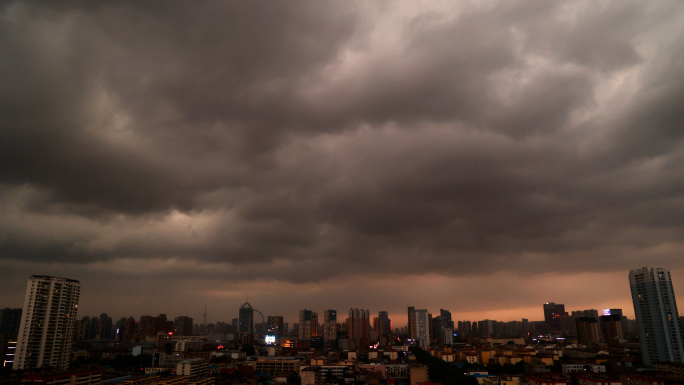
(482,157)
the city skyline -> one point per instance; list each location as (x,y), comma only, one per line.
(484,157)
(398,317)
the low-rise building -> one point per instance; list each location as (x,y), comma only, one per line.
(676,369)
(311,375)
(545,380)
(574,368)
(597,380)
(471,358)
(193,367)
(649,379)
(417,374)
(394,370)
(88,377)
(276,364)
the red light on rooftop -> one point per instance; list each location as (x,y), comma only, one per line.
(170,333)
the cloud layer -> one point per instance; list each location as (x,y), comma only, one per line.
(308,152)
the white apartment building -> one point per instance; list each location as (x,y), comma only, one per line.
(47,323)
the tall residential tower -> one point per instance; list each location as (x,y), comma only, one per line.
(330,325)
(656,313)
(358,328)
(308,324)
(47,323)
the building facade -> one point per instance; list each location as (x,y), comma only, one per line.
(246,319)
(183,326)
(193,367)
(656,313)
(10,320)
(46,330)
(330,325)
(382,324)
(275,325)
(358,329)
(611,326)
(412,323)
(308,324)
(422,328)
(552,311)
(587,330)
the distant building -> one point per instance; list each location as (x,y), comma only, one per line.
(147,326)
(573,368)
(587,330)
(83,377)
(418,373)
(568,325)
(552,311)
(591,313)
(104,327)
(443,332)
(485,328)
(275,325)
(330,325)
(194,367)
(277,364)
(382,324)
(47,324)
(246,319)
(465,328)
(611,326)
(311,375)
(412,323)
(10,319)
(183,326)
(657,316)
(308,324)
(446,314)
(422,328)
(358,329)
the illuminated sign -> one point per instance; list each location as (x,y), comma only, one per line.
(270,340)
(606,311)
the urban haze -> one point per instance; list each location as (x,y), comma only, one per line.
(482,157)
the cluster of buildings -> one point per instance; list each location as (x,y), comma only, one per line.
(356,348)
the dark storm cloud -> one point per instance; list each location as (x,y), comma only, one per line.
(307,142)
(192,81)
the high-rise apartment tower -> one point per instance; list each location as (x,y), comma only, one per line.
(656,313)
(308,324)
(412,323)
(358,328)
(330,325)
(47,323)
(422,328)
(246,319)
